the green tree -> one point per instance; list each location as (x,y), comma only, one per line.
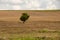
(24,17)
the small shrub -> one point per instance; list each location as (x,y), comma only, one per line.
(24,17)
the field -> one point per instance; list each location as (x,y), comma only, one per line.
(42,25)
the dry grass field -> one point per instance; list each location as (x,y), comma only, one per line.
(42,25)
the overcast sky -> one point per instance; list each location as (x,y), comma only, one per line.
(29,4)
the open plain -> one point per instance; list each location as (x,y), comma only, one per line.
(42,25)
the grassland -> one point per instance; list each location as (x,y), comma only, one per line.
(37,27)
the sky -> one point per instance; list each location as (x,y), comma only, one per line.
(29,4)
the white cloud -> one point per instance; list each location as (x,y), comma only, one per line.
(51,5)
(16,7)
(29,4)
(2,6)
(33,4)
(4,0)
(15,1)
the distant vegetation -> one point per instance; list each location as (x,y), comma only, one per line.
(24,17)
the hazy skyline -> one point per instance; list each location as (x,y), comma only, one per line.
(29,4)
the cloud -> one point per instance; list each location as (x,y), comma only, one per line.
(2,6)
(29,4)
(51,4)
(32,4)
(16,7)
(57,4)
(15,1)
(3,1)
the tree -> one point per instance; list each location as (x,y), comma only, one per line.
(24,17)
